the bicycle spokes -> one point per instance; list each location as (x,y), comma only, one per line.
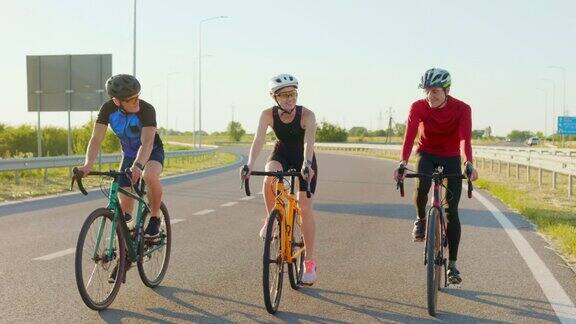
(154,254)
(273,263)
(96,258)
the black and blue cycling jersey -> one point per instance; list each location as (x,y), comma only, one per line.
(128,126)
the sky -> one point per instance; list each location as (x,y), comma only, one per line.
(355,59)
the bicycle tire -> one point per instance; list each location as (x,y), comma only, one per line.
(153,279)
(272,263)
(296,267)
(120,255)
(432,269)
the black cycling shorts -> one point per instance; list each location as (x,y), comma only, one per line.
(288,164)
(156,155)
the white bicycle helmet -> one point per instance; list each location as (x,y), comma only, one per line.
(282,81)
(435,78)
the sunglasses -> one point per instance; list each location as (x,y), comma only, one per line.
(287,94)
(132,100)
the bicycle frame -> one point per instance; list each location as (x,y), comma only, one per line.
(437,204)
(287,206)
(114,206)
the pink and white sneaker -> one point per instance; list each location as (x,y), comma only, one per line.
(309,276)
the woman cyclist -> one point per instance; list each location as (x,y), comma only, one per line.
(295,130)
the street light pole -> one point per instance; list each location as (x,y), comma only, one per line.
(194,106)
(553,106)
(200,76)
(545,112)
(134,45)
(563,69)
(167,93)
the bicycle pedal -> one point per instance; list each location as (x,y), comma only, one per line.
(417,240)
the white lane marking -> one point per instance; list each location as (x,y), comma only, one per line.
(228,204)
(55,255)
(557,297)
(203,212)
(247,198)
(72,250)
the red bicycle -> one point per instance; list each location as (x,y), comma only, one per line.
(436,239)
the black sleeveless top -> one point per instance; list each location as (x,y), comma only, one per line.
(290,136)
(291,133)
(289,148)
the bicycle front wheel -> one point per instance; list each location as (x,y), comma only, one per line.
(154,255)
(296,267)
(433,259)
(272,265)
(99,275)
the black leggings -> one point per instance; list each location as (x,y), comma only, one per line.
(452,165)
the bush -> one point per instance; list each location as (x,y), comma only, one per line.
(22,141)
(235,131)
(520,136)
(330,133)
(358,131)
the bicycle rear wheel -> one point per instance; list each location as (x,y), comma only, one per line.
(154,255)
(272,265)
(433,257)
(296,267)
(93,267)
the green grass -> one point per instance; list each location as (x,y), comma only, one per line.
(173,147)
(550,210)
(374,139)
(209,139)
(33,183)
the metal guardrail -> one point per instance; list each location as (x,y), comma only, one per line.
(70,161)
(554,160)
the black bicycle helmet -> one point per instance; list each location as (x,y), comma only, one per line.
(122,86)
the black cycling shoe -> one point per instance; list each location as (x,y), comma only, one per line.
(153,228)
(454,276)
(418,231)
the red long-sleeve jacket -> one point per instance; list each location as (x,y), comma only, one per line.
(443,132)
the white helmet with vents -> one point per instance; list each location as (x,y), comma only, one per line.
(282,81)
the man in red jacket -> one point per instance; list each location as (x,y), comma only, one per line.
(445,127)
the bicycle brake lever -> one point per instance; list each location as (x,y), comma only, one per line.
(78,178)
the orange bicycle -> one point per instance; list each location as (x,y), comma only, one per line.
(284,242)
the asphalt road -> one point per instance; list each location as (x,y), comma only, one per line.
(369,270)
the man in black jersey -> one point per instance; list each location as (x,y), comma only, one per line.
(134,122)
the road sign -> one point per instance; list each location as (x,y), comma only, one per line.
(67,82)
(566,125)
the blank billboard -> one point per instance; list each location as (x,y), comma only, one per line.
(67,82)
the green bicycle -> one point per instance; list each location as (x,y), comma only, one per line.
(107,247)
